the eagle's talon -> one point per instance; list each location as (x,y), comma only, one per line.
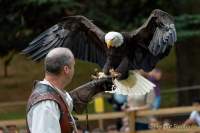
(114,74)
(101,75)
(94,77)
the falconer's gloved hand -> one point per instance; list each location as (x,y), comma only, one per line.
(83,94)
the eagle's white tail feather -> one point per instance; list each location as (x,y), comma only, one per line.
(135,84)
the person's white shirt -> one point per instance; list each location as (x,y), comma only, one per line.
(44,116)
(195,117)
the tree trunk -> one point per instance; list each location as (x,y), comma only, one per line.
(5,70)
(7,61)
(188,73)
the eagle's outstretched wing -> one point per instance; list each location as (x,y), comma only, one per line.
(152,41)
(77,33)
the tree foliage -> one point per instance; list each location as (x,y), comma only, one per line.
(21,20)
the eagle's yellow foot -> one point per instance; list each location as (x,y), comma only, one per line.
(99,75)
(94,77)
(102,75)
(114,74)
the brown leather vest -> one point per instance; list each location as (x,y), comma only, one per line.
(43,92)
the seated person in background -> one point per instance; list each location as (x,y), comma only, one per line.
(12,129)
(112,129)
(140,102)
(154,123)
(125,126)
(1,130)
(166,124)
(194,118)
(154,76)
(97,130)
(117,101)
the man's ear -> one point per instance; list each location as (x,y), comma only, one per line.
(66,69)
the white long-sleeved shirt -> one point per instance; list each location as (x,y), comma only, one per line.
(44,116)
(195,116)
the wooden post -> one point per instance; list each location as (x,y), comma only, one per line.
(101,124)
(131,120)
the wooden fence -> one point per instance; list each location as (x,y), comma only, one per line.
(132,117)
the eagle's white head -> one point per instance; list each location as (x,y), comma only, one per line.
(114,39)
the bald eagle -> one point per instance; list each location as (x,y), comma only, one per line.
(121,51)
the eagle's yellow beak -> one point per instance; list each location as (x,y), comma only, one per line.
(109,43)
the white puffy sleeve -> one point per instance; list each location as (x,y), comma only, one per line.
(44,117)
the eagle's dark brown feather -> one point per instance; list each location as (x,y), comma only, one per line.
(78,33)
(142,48)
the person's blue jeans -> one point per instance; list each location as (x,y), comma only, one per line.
(141,126)
(156,102)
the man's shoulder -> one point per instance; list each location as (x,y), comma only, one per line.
(40,87)
(47,104)
(42,92)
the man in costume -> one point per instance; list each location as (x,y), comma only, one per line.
(49,106)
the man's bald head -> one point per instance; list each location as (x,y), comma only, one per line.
(57,58)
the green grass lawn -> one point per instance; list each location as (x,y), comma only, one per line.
(15,112)
(22,72)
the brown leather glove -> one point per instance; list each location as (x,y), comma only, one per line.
(83,94)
